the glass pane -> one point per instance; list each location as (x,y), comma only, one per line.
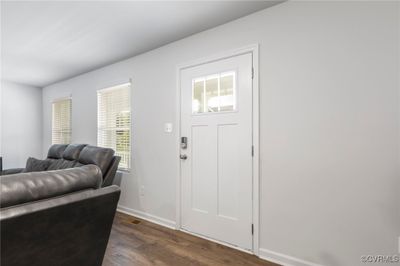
(227,96)
(114,122)
(212,94)
(198,96)
(61,122)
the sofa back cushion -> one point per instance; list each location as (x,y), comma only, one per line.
(58,164)
(26,187)
(101,157)
(36,165)
(62,156)
(56,151)
(72,151)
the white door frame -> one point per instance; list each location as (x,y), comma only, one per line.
(253,49)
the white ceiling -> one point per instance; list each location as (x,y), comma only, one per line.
(46,42)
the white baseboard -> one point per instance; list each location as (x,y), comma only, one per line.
(147,216)
(283,259)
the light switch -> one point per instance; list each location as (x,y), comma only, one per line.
(168,127)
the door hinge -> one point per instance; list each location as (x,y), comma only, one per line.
(252,73)
(252,229)
(252,151)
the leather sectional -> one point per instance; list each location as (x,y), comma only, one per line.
(63,156)
(61,216)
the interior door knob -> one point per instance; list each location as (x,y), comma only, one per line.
(183,156)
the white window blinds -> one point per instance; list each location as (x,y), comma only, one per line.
(61,121)
(114,122)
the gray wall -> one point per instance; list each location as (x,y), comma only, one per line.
(329,126)
(21,123)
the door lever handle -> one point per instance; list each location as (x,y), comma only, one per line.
(183,156)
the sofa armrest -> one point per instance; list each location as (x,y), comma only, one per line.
(12,171)
(108,178)
(27,187)
(71,229)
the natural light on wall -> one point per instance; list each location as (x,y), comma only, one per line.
(114,122)
(61,121)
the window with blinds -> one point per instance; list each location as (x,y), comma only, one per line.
(114,122)
(61,121)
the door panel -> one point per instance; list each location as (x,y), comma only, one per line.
(228,175)
(216,118)
(201,168)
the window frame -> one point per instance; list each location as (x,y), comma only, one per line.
(54,101)
(217,75)
(108,89)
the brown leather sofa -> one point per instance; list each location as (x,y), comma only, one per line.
(58,217)
(63,156)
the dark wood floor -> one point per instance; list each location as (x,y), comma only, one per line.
(138,242)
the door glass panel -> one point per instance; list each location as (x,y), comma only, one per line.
(214,93)
(198,96)
(212,99)
(227,92)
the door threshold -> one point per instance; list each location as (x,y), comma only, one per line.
(217,241)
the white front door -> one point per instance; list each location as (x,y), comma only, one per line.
(216,165)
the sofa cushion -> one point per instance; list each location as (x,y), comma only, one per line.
(56,151)
(58,164)
(12,171)
(101,157)
(72,151)
(36,165)
(26,187)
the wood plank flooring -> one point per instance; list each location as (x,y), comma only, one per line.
(140,243)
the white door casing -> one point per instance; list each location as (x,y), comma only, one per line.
(217,176)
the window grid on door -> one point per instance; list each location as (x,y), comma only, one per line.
(214,93)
